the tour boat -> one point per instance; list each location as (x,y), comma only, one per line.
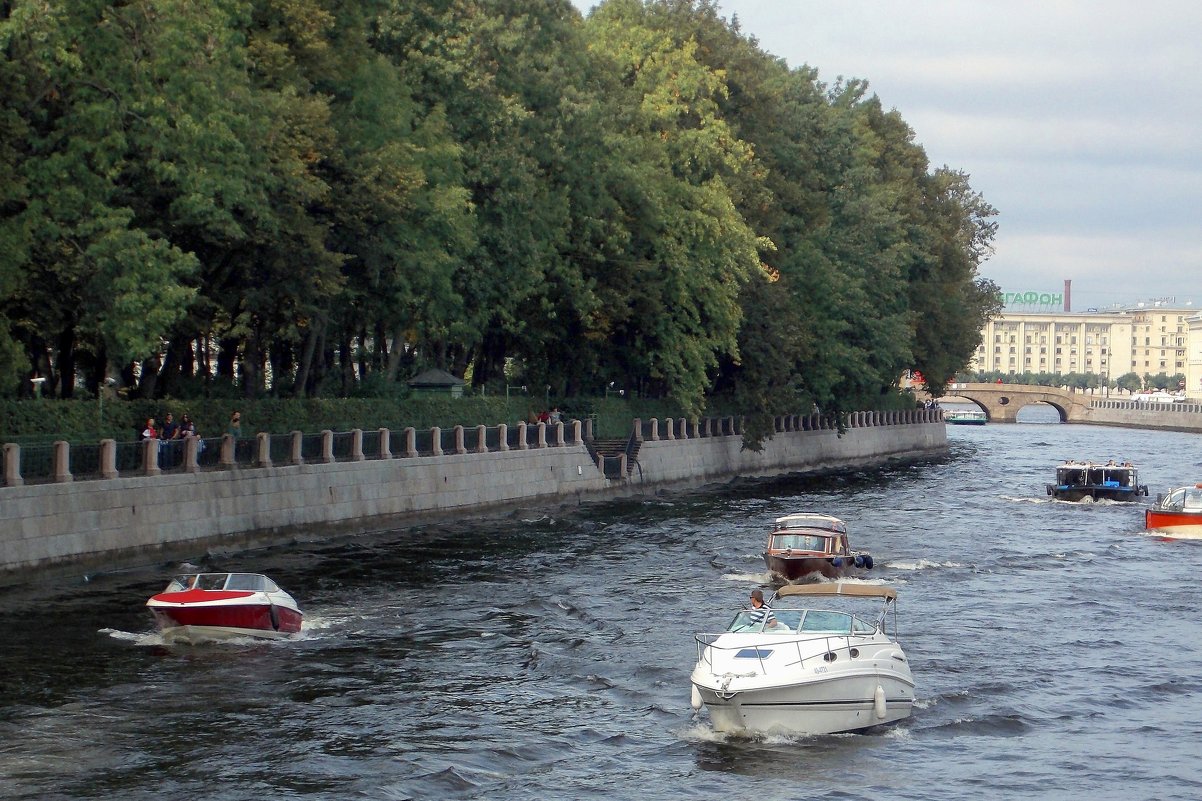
(201,607)
(1115,482)
(964,417)
(813,665)
(1177,513)
(803,545)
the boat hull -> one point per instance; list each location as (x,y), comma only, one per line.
(1174,522)
(202,622)
(821,706)
(1125,494)
(792,568)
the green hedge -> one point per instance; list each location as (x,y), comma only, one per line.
(44,420)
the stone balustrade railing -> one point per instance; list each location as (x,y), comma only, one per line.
(109,459)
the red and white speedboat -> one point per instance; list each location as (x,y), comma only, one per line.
(202,607)
(1177,513)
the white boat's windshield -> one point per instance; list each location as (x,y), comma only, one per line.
(251,581)
(805,621)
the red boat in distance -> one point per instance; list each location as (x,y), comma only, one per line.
(205,607)
(813,545)
(1177,513)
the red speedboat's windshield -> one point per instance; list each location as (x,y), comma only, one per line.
(252,582)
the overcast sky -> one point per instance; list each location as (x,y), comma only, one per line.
(1080,121)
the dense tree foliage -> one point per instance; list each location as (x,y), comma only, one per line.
(322,197)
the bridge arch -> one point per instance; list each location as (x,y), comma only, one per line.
(1002,402)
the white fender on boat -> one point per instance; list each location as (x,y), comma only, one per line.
(696,699)
(878,702)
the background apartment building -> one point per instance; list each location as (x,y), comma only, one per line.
(1145,339)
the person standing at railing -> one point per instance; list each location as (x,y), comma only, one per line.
(235,426)
(149,431)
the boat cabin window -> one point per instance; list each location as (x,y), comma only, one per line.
(801,542)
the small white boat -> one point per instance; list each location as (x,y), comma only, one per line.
(203,607)
(812,666)
(965,417)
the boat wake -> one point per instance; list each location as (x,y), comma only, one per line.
(142,638)
(749,578)
(923,564)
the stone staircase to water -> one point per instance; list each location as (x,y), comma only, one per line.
(613,448)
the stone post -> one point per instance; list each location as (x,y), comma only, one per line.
(481,439)
(327,445)
(576,433)
(522,445)
(559,443)
(263,449)
(12,465)
(150,456)
(62,462)
(460,447)
(655,429)
(542,435)
(357,445)
(298,447)
(436,440)
(191,451)
(226,457)
(503,437)
(108,458)
(411,442)
(385,444)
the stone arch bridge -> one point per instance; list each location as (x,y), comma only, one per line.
(1001,402)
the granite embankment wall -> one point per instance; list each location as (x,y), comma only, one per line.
(111,522)
(1141,414)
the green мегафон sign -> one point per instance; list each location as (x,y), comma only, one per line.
(1042,300)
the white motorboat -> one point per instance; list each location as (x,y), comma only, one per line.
(812,666)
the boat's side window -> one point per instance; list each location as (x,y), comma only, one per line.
(1193,499)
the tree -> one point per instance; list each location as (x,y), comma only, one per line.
(1130,382)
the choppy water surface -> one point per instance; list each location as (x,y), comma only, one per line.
(1057,650)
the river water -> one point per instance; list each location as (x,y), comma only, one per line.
(1057,650)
